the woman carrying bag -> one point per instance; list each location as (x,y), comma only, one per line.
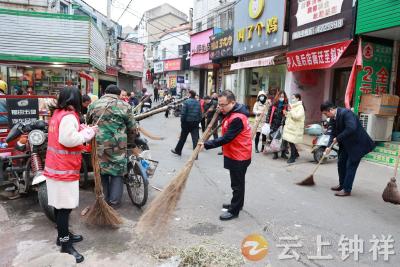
(275,118)
(63,163)
(294,126)
(261,106)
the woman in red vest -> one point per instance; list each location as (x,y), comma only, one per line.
(236,147)
(63,163)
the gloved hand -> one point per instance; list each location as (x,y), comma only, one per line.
(88,133)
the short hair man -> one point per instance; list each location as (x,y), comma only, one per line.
(190,119)
(354,143)
(237,149)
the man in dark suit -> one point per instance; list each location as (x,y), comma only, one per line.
(354,143)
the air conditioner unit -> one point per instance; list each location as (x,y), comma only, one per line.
(378,127)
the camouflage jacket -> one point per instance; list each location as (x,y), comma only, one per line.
(117,133)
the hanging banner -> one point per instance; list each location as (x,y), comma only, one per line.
(322,57)
(159,67)
(172,64)
(374,78)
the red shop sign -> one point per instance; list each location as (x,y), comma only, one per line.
(172,64)
(322,57)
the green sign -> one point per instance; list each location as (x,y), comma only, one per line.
(374,78)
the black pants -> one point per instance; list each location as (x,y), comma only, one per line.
(191,127)
(263,139)
(238,189)
(62,220)
(166,113)
(293,151)
(156,97)
(214,132)
(203,124)
(347,169)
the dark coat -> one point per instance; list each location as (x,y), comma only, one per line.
(277,118)
(191,111)
(350,134)
(211,108)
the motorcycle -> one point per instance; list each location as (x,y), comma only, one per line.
(321,141)
(25,168)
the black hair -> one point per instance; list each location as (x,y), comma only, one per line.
(192,94)
(19,91)
(327,106)
(70,97)
(128,94)
(207,97)
(86,98)
(112,89)
(298,96)
(228,94)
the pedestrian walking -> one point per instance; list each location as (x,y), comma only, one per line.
(293,130)
(236,146)
(156,95)
(203,115)
(354,144)
(63,164)
(117,131)
(262,105)
(167,98)
(190,119)
(275,118)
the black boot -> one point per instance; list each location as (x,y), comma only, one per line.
(257,150)
(291,160)
(73,237)
(275,155)
(66,247)
(283,155)
(262,148)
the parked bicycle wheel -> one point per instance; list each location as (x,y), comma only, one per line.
(136,185)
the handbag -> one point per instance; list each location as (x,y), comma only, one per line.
(276,143)
(266,129)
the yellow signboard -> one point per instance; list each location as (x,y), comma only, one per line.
(256,8)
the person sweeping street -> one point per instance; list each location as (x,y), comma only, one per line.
(117,131)
(63,164)
(354,144)
(236,146)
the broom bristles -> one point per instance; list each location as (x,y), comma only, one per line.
(391,193)
(155,220)
(309,181)
(100,213)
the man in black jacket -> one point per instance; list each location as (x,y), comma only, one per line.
(190,119)
(354,144)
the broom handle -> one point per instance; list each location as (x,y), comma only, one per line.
(322,159)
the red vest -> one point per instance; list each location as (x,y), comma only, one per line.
(62,163)
(239,148)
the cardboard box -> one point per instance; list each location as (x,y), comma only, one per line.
(385,105)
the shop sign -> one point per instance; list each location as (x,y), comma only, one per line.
(261,62)
(374,78)
(258,25)
(200,46)
(172,64)
(322,57)
(314,10)
(111,71)
(180,79)
(221,45)
(132,57)
(22,110)
(320,22)
(318,29)
(172,81)
(158,67)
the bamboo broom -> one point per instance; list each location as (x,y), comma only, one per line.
(156,218)
(100,213)
(391,193)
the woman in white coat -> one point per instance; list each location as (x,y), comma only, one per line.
(293,130)
(262,105)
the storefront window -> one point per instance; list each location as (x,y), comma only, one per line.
(41,81)
(270,79)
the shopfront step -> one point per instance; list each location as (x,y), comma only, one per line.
(380,158)
(389,145)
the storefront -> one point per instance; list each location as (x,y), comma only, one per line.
(107,78)
(321,52)
(204,71)
(260,45)
(47,64)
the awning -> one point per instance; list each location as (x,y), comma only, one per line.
(322,57)
(260,62)
(86,76)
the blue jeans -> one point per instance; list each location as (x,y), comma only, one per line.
(347,169)
(113,187)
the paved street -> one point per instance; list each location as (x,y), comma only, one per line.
(274,207)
